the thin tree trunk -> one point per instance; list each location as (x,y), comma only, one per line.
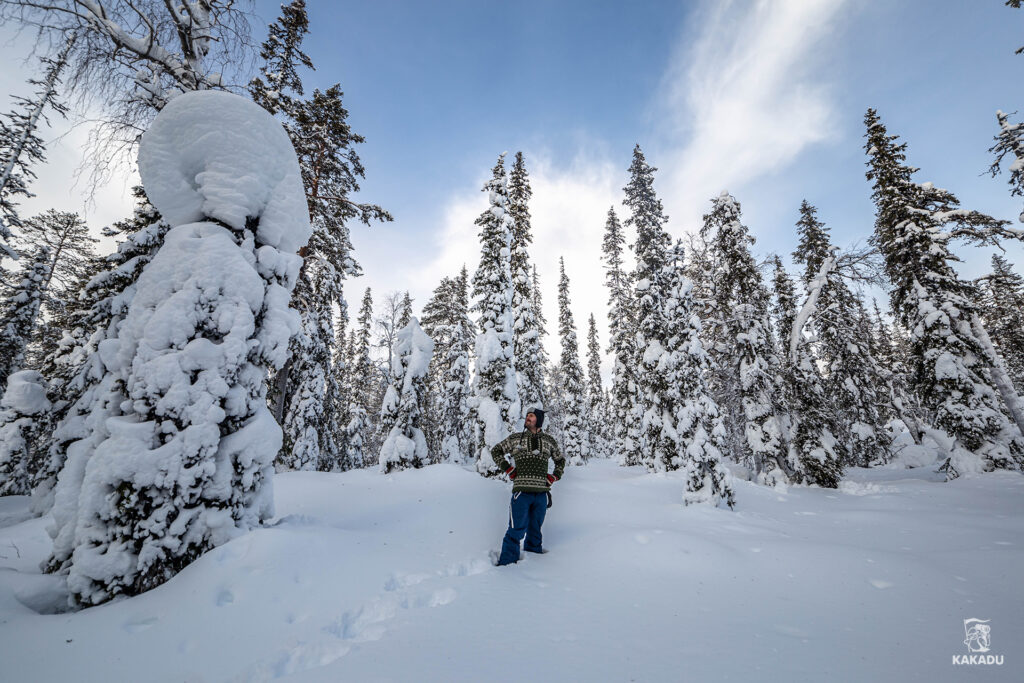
(999,374)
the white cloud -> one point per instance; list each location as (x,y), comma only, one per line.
(742,98)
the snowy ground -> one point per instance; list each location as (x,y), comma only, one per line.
(365,577)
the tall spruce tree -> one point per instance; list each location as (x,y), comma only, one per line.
(525,337)
(21,147)
(596,415)
(19,312)
(853,378)
(574,428)
(446,321)
(950,368)
(1002,308)
(496,395)
(362,385)
(651,250)
(742,349)
(818,453)
(621,342)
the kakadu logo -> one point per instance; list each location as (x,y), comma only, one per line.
(978,639)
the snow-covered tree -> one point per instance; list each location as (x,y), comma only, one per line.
(278,84)
(573,388)
(651,251)
(816,452)
(405,445)
(80,376)
(1002,308)
(362,383)
(446,321)
(690,432)
(621,343)
(22,408)
(496,395)
(853,377)
(185,462)
(21,147)
(743,347)
(596,413)
(19,312)
(525,338)
(952,370)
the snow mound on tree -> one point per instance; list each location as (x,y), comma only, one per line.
(190,158)
(25,393)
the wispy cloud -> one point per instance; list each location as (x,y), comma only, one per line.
(743,97)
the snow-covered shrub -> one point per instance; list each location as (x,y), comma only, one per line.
(23,405)
(405,445)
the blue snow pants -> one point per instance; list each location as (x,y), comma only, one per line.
(525,516)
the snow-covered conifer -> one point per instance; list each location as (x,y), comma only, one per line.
(853,378)
(1003,316)
(596,413)
(446,321)
(817,453)
(279,81)
(621,342)
(496,395)
(574,424)
(19,312)
(405,445)
(362,385)
(651,251)
(951,368)
(186,460)
(1010,141)
(22,408)
(743,348)
(525,337)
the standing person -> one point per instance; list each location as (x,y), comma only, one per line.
(530,450)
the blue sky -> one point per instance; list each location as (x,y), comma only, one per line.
(765,99)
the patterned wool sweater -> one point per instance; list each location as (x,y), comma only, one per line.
(531,453)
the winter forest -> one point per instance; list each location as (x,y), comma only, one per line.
(221,375)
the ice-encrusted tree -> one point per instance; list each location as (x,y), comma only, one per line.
(621,341)
(596,414)
(495,392)
(651,250)
(853,377)
(816,452)
(573,388)
(21,147)
(446,321)
(1002,306)
(743,350)
(19,312)
(405,444)
(526,335)
(954,371)
(23,408)
(186,457)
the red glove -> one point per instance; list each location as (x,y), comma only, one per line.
(511,472)
(552,479)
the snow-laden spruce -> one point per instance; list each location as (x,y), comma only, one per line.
(496,394)
(957,372)
(741,345)
(187,459)
(405,445)
(22,409)
(575,439)
(19,312)
(622,339)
